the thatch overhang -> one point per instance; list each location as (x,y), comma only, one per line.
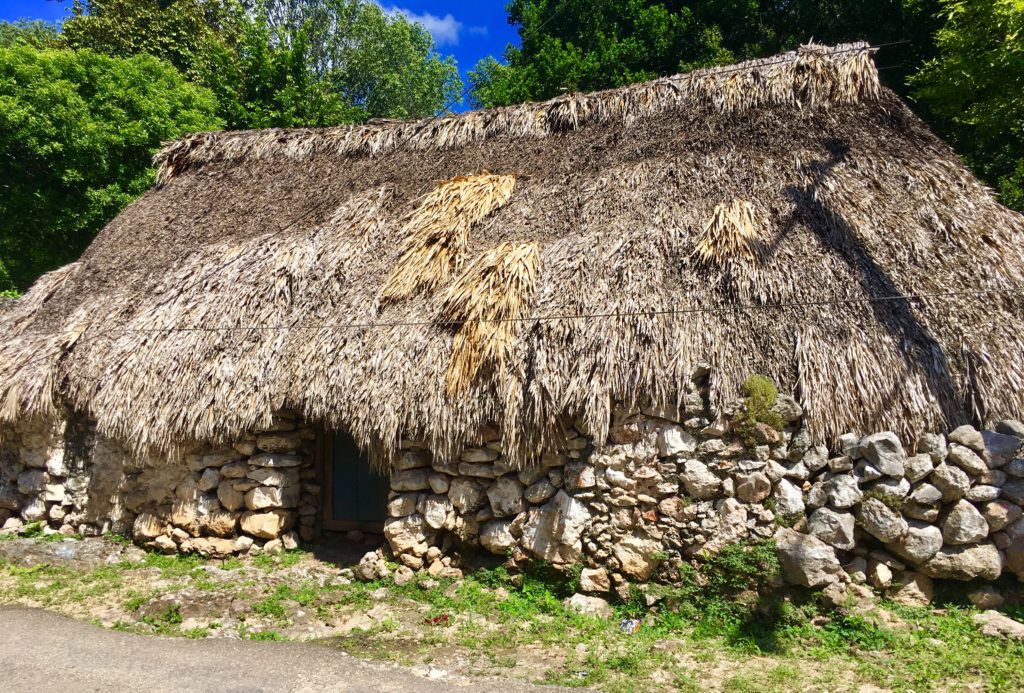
(516,265)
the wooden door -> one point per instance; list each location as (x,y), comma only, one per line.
(356,496)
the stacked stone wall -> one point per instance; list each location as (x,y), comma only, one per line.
(666,488)
(663,488)
(261,493)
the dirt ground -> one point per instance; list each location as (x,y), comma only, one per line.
(486,625)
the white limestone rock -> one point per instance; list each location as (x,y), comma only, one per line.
(752,488)
(918,467)
(506,496)
(789,500)
(952,481)
(467,495)
(964,525)
(921,542)
(964,563)
(965,458)
(589,606)
(406,534)
(553,531)
(675,440)
(881,521)
(885,452)
(636,554)
(699,481)
(806,560)
(267,525)
(842,491)
(496,536)
(834,528)
(1000,513)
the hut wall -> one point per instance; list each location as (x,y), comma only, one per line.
(262,491)
(664,491)
(665,487)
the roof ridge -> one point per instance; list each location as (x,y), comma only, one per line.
(810,75)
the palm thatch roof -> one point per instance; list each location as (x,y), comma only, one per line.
(518,265)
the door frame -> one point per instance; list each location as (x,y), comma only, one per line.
(325,453)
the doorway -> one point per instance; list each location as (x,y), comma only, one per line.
(355,495)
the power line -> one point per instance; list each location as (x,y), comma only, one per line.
(732,308)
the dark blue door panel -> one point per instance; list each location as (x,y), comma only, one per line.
(359,493)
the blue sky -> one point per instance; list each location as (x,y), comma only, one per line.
(467,30)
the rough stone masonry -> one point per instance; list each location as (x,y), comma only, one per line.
(664,487)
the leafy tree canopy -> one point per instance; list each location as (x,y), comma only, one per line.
(280,62)
(34,32)
(975,89)
(77,130)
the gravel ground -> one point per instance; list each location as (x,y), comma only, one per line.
(41,652)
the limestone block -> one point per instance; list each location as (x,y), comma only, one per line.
(964,563)
(964,525)
(885,452)
(147,526)
(496,537)
(267,525)
(806,560)
(275,460)
(506,496)
(553,531)
(263,497)
(882,522)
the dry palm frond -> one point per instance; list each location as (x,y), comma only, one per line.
(732,233)
(811,75)
(489,299)
(437,232)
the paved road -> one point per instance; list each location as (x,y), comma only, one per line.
(43,652)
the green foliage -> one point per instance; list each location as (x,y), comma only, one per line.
(35,33)
(284,560)
(889,501)
(32,530)
(278,63)
(77,130)
(974,90)
(742,566)
(759,398)
(247,633)
(270,607)
(582,46)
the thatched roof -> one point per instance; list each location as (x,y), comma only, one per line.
(386,278)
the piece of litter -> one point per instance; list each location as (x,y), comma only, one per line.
(629,625)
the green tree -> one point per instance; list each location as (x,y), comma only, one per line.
(34,32)
(281,62)
(77,131)
(595,44)
(974,89)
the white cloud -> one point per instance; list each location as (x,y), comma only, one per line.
(445,30)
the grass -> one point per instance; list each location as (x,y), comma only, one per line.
(723,626)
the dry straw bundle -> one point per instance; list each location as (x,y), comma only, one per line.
(732,233)
(488,300)
(437,232)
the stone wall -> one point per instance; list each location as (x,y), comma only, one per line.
(261,493)
(663,488)
(668,487)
